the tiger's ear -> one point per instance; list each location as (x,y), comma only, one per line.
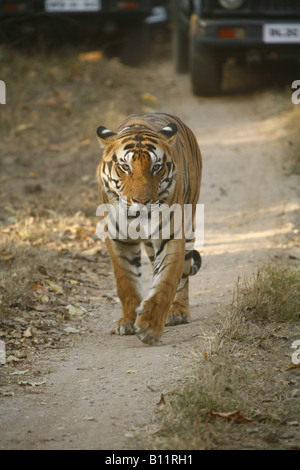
(105,136)
(169,132)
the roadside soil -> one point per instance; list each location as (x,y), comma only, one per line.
(68,383)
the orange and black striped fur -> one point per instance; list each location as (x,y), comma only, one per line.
(151,160)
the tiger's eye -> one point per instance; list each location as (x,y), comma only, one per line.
(156,167)
(125,167)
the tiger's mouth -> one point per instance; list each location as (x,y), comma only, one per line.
(134,210)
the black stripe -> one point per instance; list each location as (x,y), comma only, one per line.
(125,242)
(197,263)
(156,269)
(134,261)
(129,147)
(163,244)
(188,255)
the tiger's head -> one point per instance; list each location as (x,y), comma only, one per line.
(137,165)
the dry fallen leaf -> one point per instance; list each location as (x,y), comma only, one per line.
(235,416)
(42,270)
(29,333)
(36,287)
(32,174)
(6,255)
(80,233)
(40,308)
(76,310)
(72,330)
(93,56)
(20,372)
(149,98)
(54,287)
(53,148)
(32,383)
(44,299)
(23,127)
(10,359)
(293,366)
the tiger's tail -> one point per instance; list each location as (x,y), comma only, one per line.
(196,264)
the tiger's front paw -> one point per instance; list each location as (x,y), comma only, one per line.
(178,317)
(147,334)
(124,327)
(148,325)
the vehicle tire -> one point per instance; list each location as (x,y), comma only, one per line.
(180,41)
(205,65)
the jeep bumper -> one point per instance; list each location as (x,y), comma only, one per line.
(281,37)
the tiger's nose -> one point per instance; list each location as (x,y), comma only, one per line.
(140,200)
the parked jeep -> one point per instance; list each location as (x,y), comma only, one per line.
(207,32)
(128,20)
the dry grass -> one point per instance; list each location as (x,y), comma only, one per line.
(247,374)
(273,295)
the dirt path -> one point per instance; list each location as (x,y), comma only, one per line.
(101,392)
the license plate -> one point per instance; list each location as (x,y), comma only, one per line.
(287,33)
(72,5)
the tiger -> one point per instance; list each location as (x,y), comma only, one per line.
(151,160)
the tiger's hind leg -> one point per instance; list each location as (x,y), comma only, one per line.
(179,312)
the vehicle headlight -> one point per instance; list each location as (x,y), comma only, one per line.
(231,4)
